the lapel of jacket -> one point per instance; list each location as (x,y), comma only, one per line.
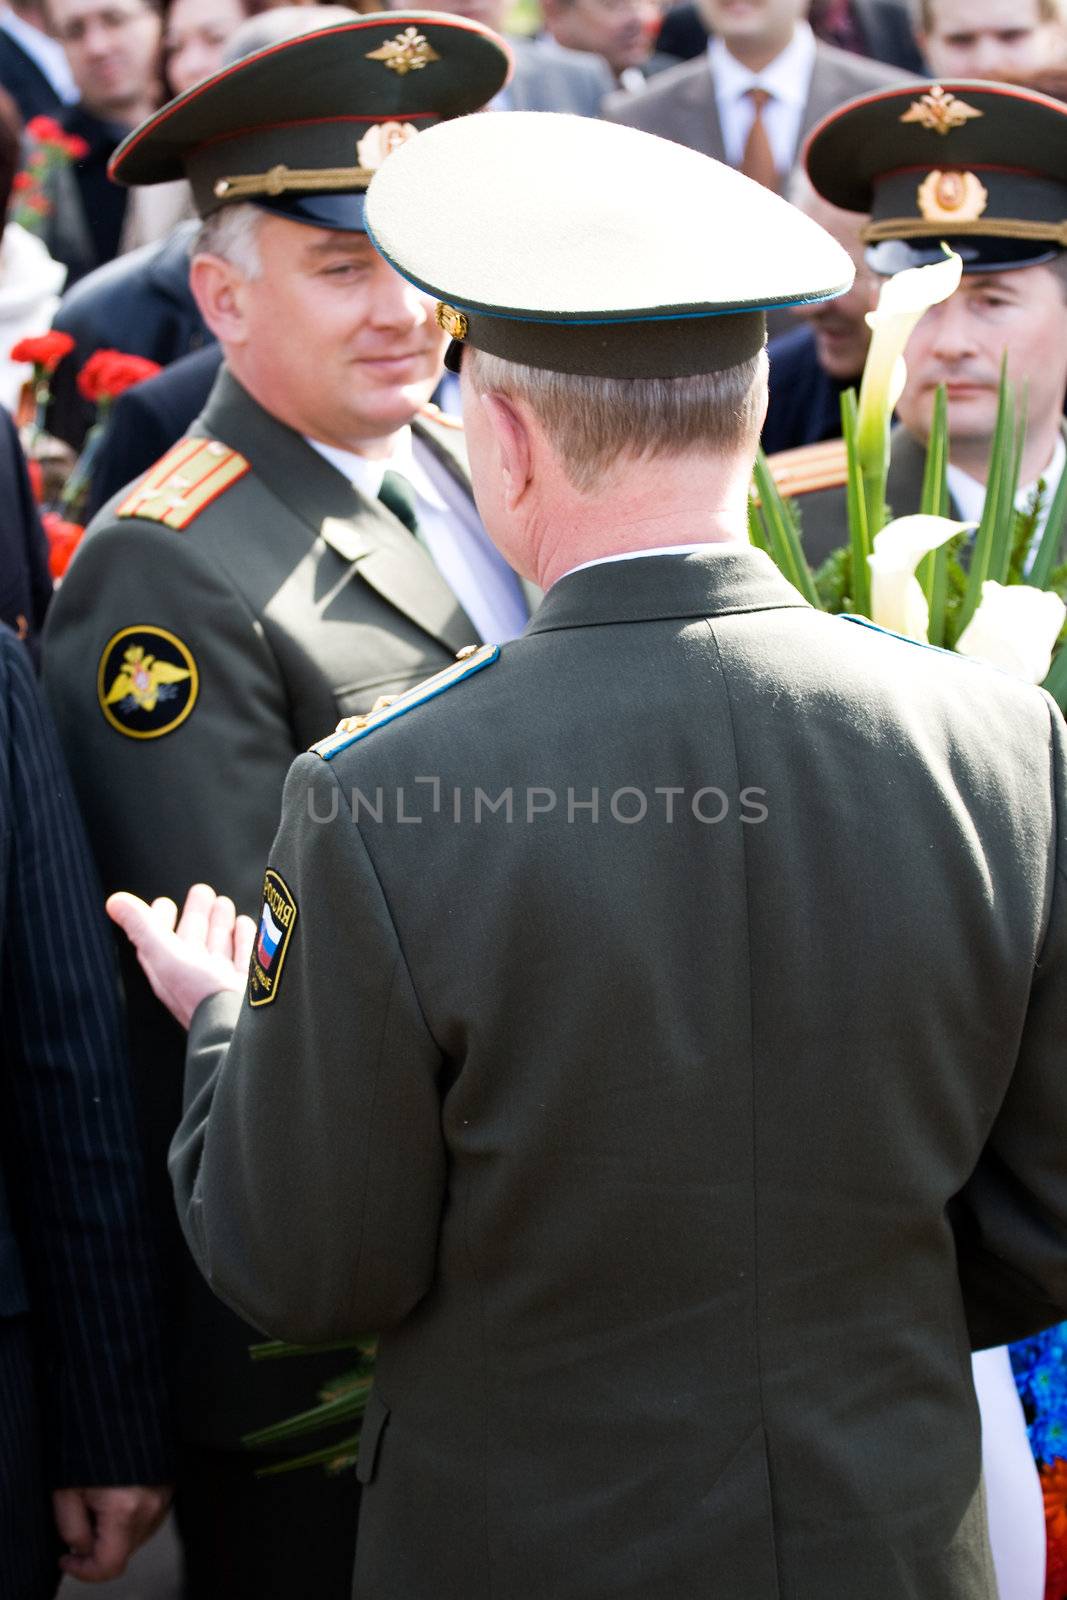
(360,531)
(907,467)
(691,116)
(728,580)
(829,87)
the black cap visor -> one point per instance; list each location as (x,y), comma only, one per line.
(988,254)
(341,212)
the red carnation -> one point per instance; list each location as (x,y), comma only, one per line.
(63,539)
(36,479)
(108,373)
(45,130)
(21,180)
(44,350)
(75,146)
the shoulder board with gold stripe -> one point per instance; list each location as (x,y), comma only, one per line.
(434,413)
(352,729)
(810,467)
(183,482)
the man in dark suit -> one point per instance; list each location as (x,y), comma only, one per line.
(33,67)
(25,583)
(82,1403)
(310,545)
(676,1249)
(140,303)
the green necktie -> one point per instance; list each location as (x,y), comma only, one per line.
(397,496)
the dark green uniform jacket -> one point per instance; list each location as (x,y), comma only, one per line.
(679,1162)
(276,605)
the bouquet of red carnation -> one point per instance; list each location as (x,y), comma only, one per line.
(50,148)
(106,375)
(109,373)
(44,351)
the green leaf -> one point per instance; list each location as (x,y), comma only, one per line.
(859,531)
(350,1405)
(932,569)
(336,1458)
(783,535)
(1001,462)
(1048,549)
(273,1348)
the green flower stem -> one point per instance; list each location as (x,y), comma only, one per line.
(999,477)
(783,534)
(858,520)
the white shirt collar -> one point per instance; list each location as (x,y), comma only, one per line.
(366,473)
(787,78)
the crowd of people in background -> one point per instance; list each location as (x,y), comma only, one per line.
(107,267)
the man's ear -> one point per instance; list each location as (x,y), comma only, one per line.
(219,290)
(515,445)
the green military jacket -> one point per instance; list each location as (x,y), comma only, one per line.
(681,1096)
(192,651)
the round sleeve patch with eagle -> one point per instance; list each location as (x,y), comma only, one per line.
(147,682)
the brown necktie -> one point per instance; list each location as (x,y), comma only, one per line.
(757,162)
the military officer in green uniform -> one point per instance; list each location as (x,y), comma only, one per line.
(683,1096)
(310,546)
(982,168)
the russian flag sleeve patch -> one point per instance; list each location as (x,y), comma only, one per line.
(276,923)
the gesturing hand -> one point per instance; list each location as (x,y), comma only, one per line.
(102,1527)
(186,960)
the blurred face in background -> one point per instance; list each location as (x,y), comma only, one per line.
(622,31)
(991,38)
(488,12)
(839,326)
(113,48)
(195,36)
(755,31)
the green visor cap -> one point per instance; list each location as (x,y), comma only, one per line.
(588,247)
(980,166)
(302,124)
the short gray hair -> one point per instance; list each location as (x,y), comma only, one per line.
(592,422)
(232,232)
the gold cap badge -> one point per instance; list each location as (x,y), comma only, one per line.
(408,52)
(452,321)
(381,140)
(952,197)
(940,111)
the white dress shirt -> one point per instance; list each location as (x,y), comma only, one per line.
(787,80)
(44,52)
(451,530)
(968,495)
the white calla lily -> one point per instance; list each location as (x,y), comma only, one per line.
(1015,627)
(897,600)
(904,299)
